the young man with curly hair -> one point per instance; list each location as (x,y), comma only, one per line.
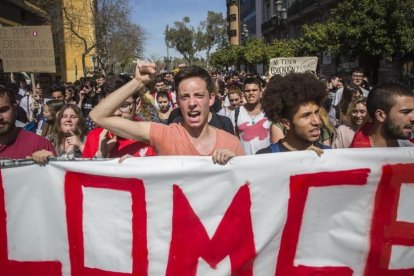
(294,101)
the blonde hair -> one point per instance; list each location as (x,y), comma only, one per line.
(326,124)
(351,106)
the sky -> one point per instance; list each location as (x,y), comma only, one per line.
(154,15)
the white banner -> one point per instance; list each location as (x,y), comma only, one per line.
(349,212)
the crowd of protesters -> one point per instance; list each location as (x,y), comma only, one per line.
(195,112)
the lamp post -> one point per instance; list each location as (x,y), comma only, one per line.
(244,34)
(244,37)
(279,14)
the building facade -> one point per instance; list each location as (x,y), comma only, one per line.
(78,37)
(263,19)
(233,19)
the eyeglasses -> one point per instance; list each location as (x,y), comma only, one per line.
(358,76)
(126,107)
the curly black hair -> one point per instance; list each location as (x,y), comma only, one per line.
(283,95)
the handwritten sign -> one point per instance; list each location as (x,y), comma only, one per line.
(283,66)
(27,49)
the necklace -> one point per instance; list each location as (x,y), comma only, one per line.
(253,118)
(254,109)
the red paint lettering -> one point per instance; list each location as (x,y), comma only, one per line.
(74,214)
(386,231)
(299,187)
(233,237)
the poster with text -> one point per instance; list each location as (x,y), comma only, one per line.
(286,65)
(27,49)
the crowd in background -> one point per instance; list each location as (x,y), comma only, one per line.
(59,111)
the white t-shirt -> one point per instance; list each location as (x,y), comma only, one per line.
(254,131)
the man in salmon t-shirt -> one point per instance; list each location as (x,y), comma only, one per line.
(195,95)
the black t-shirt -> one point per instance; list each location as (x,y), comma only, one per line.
(269,150)
(89,102)
(217,121)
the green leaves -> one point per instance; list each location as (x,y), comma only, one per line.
(374,27)
(255,51)
(371,28)
(188,40)
(183,38)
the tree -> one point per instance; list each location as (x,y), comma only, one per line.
(255,51)
(282,48)
(212,32)
(227,56)
(77,21)
(183,38)
(368,29)
(119,40)
(100,27)
(316,39)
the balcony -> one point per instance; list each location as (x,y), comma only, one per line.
(300,5)
(232,2)
(267,26)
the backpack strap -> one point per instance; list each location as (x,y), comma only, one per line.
(236,117)
(275,147)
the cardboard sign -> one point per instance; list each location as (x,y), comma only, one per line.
(348,212)
(283,66)
(27,49)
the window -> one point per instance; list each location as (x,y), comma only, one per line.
(233,33)
(233,17)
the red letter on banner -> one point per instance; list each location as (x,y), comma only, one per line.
(19,268)
(74,213)
(299,187)
(386,231)
(233,237)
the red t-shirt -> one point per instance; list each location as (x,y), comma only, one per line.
(25,144)
(122,147)
(361,138)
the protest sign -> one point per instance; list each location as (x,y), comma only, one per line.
(27,49)
(285,65)
(348,212)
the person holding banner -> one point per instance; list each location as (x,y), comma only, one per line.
(294,101)
(17,143)
(391,108)
(195,94)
